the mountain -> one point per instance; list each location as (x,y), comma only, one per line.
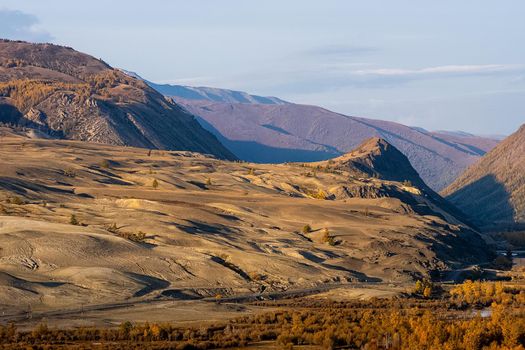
(203,93)
(301,133)
(214,94)
(492,191)
(68,94)
(378,159)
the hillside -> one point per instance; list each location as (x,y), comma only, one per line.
(68,94)
(492,191)
(100,224)
(291,132)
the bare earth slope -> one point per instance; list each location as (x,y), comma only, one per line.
(291,132)
(210,226)
(492,191)
(68,94)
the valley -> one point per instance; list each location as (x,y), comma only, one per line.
(90,224)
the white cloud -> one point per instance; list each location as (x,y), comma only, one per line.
(17,25)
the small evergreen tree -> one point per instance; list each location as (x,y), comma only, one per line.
(73,220)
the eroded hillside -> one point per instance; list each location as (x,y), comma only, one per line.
(68,94)
(94,223)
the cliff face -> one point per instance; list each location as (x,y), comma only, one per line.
(492,191)
(72,95)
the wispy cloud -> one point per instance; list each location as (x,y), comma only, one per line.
(17,25)
(442,70)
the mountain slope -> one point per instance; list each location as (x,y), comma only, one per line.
(375,157)
(492,191)
(291,132)
(65,93)
(378,159)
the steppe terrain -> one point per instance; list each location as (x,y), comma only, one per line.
(91,227)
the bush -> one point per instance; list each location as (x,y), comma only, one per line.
(424,288)
(73,220)
(69,172)
(15,200)
(112,228)
(327,238)
(320,194)
(307,229)
(155,184)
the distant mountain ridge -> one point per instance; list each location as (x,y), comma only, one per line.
(492,191)
(203,93)
(68,94)
(301,133)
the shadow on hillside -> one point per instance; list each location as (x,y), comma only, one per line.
(487,202)
(9,114)
(258,153)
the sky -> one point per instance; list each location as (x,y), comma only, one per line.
(440,65)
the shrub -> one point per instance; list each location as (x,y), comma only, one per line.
(15,200)
(69,172)
(112,228)
(104,164)
(320,194)
(307,229)
(134,237)
(424,288)
(208,181)
(155,184)
(327,238)
(73,220)
(255,276)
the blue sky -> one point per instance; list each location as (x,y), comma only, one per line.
(455,65)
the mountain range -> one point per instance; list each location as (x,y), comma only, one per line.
(276,133)
(271,130)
